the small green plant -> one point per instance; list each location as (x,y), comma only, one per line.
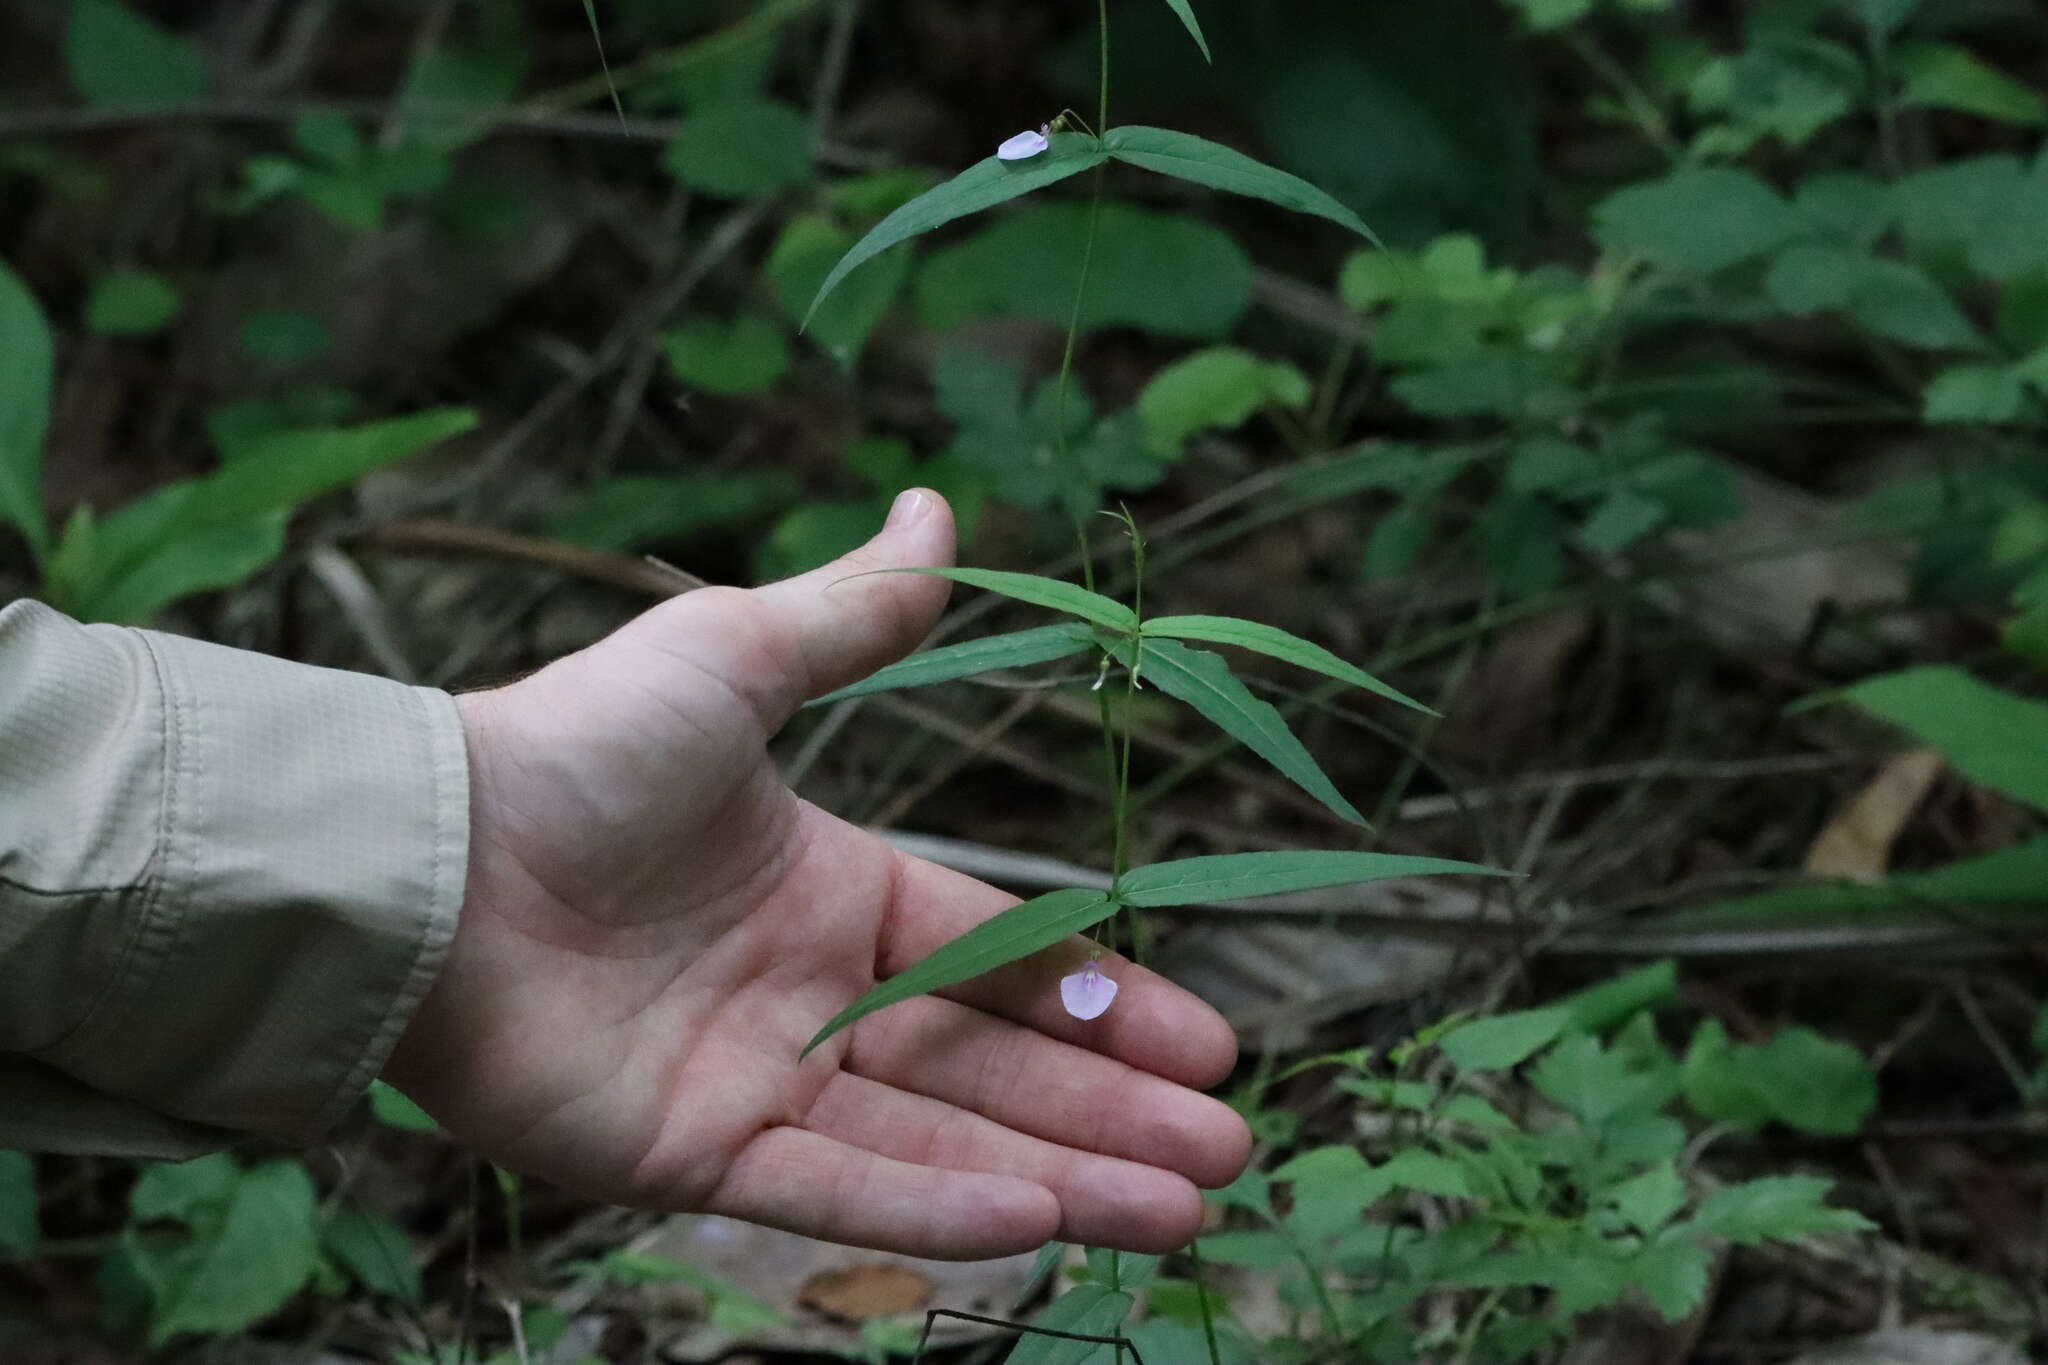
(1119,638)
(196,534)
(1572,1194)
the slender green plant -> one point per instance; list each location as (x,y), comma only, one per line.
(1122,640)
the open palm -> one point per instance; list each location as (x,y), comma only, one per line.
(655,925)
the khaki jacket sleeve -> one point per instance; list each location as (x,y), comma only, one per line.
(226,883)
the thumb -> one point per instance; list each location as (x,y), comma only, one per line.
(837,624)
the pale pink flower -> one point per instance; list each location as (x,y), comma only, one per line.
(1024,146)
(1087,993)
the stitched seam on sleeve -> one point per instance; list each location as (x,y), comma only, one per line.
(157,869)
(414,986)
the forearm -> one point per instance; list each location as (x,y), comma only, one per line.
(226,882)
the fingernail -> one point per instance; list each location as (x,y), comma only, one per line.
(909,507)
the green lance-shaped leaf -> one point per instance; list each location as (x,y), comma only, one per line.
(1205,682)
(981,186)
(1024,648)
(1278,644)
(1018,932)
(1042,592)
(1186,157)
(1192,24)
(1990,736)
(1240,876)
(24,409)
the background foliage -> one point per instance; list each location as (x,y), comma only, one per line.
(1681,449)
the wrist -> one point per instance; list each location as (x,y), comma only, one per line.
(429,1047)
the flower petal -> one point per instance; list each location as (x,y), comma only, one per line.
(1023,147)
(1087,993)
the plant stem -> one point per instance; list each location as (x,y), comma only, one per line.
(1102,48)
(1202,1301)
(1060,430)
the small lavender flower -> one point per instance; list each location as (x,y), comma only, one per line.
(1025,145)
(1087,993)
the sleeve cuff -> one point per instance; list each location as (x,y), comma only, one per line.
(311,869)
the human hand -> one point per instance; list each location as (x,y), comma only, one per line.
(655,925)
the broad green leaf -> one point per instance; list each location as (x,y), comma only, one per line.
(1622,518)
(1778,1208)
(376,1251)
(1170,273)
(1172,1329)
(395,1109)
(1205,682)
(1973,393)
(20,1228)
(131,303)
(1543,462)
(24,409)
(293,467)
(637,510)
(1673,1276)
(214,531)
(1024,648)
(1520,538)
(1988,206)
(260,1254)
(1815,1084)
(1187,157)
(2009,881)
(1701,218)
(1490,381)
(1043,592)
(1992,737)
(1277,644)
(813,534)
(1398,539)
(1088,1309)
(1475,1111)
(200,560)
(1217,389)
(1898,301)
(737,148)
(981,186)
(1599,1008)
(1332,1186)
(116,56)
(804,256)
(1192,24)
(1415,1169)
(1241,876)
(285,338)
(1946,76)
(183,1189)
(744,356)
(1592,1083)
(1017,932)
(1121,1269)
(1325,1165)
(1504,1040)
(1651,1199)
(329,138)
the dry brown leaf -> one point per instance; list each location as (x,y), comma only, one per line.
(1857,843)
(866,1291)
